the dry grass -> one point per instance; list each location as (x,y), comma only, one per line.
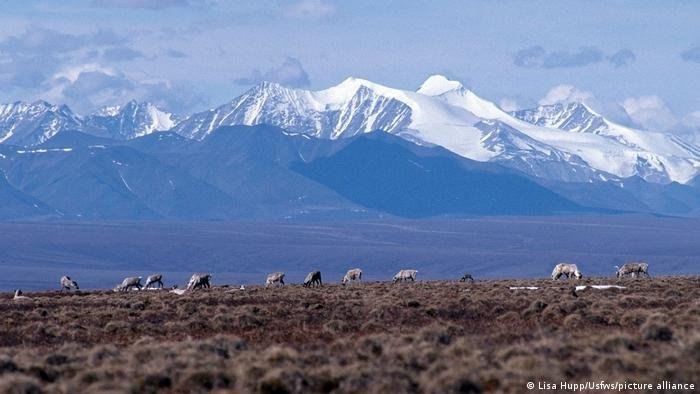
(435,337)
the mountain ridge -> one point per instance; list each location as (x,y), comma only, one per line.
(567,142)
(445,113)
(31,124)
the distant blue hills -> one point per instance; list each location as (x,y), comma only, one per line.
(264,172)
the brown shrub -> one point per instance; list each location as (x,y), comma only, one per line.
(574,321)
(509,317)
(456,382)
(656,331)
(634,318)
(692,351)
(152,383)
(283,380)
(535,308)
(7,364)
(617,342)
(199,381)
(104,354)
(19,384)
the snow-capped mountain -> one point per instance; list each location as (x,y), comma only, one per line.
(129,121)
(563,142)
(574,116)
(24,123)
(30,124)
(351,108)
(566,142)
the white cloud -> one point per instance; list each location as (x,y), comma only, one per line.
(692,119)
(508,104)
(289,73)
(30,58)
(650,112)
(690,127)
(87,87)
(567,94)
(538,57)
(72,73)
(309,9)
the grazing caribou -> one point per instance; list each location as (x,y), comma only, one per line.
(566,269)
(154,279)
(405,275)
(67,283)
(313,278)
(128,283)
(354,274)
(633,269)
(275,277)
(467,278)
(19,295)
(199,281)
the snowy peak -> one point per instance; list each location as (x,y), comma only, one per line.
(352,107)
(27,124)
(131,120)
(469,101)
(436,85)
(575,116)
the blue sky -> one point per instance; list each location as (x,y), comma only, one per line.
(634,61)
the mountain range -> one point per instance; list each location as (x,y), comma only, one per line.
(31,124)
(358,149)
(563,142)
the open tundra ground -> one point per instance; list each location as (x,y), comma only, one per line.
(427,336)
(33,255)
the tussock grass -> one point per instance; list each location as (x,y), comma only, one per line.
(434,337)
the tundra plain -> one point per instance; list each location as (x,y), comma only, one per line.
(376,337)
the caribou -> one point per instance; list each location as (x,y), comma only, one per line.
(275,277)
(354,274)
(633,269)
(67,283)
(313,279)
(567,270)
(128,283)
(467,278)
(405,275)
(198,281)
(154,279)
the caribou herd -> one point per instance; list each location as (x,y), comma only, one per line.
(313,279)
